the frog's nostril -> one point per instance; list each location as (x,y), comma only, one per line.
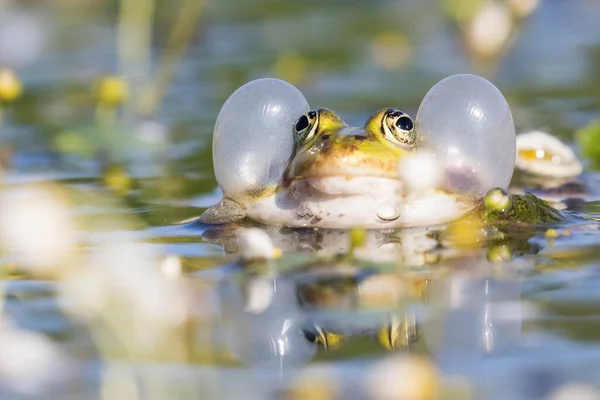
(325,137)
(359,137)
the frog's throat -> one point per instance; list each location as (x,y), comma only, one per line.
(309,207)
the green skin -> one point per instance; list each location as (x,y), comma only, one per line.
(523,209)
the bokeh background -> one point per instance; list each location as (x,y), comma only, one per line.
(106,115)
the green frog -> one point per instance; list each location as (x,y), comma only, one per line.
(342,176)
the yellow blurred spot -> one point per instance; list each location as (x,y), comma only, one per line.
(463,10)
(277,252)
(10,86)
(522,8)
(466,233)
(116,179)
(552,233)
(391,50)
(290,66)
(418,287)
(536,154)
(112,91)
(358,238)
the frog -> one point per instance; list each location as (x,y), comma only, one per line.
(341,176)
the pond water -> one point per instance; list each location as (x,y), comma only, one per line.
(108,294)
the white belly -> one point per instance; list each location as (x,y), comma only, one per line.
(379,206)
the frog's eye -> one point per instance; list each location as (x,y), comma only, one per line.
(306,126)
(399,128)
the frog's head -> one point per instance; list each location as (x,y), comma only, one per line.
(338,159)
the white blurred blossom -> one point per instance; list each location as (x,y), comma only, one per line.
(259,294)
(121,284)
(170,267)
(23,37)
(403,378)
(255,243)
(36,226)
(420,172)
(119,382)
(489,30)
(28,361)
(576,391)
(152,133)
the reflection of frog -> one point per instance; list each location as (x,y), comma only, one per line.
(323,300)
(342,176)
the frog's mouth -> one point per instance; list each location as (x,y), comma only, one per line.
(345,172)
(344,166)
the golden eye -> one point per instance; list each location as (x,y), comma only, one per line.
(399,128)
(306,126)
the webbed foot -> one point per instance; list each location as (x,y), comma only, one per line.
(223,212)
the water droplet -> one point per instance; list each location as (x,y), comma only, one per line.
(320,215)
(387,212)
(309,211)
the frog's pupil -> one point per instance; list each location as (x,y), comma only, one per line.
(404,123)
(310,336)
(302,123)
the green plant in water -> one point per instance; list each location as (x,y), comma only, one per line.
(588,140)
(10,86)
(10,89)
(111,92)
